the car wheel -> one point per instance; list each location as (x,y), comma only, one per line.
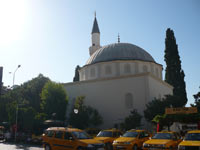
(47,147)
(109,146)
(135,147)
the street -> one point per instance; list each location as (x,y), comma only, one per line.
(12,146)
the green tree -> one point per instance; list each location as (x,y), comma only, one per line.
(32,89)
(174,74)
(86,116)
(76,77)
(155,107)
(54,100)
(132,121)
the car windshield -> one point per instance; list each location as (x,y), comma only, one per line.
(104,134)
(192,137)
(130,134)
(162,136)
(81,135)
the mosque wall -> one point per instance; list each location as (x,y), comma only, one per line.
(115,98)
(159,88)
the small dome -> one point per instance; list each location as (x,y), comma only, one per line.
(119,51)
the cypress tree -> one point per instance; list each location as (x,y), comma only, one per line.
(174,75)
(76,77)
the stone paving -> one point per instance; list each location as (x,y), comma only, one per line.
(12,146)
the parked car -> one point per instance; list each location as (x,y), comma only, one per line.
(131,140)
(92,131)
(56,138)
(191,141)
(108,136)
(163,140)
(2,133)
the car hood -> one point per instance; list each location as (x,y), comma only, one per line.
(158,141)
(102,138)
(125,139)
(190,143)
(91,141)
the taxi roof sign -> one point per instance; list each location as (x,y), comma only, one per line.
(181,110)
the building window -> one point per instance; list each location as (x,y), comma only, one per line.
(108,70)
(127,68)
(144,68)
(129,100)
(157,72)
(92,72)
(136,68)
(152,69)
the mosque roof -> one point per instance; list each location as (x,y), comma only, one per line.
(119,51)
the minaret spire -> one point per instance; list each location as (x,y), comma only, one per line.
(95,36)
(95,28)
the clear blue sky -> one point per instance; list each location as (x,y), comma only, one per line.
(53,36)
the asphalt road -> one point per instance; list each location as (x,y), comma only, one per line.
(11,146)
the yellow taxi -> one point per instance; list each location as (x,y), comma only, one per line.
(92,131)
(60,138)
(191,141)
(108,136)
(131,140)
(167,140)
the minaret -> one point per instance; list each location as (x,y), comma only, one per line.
(95,37)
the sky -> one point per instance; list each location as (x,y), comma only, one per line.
(52,37)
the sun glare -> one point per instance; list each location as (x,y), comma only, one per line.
(12,19)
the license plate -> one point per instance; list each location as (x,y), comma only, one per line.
(120,147)
(100,149)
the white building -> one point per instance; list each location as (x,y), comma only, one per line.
(118,78)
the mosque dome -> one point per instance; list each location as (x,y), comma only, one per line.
(119,51)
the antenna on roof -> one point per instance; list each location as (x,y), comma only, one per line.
(95,14)
(118,38)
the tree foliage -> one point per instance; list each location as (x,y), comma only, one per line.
(132,121)
(28,99)
(174,75)
(54,100)
(86,116)
(196,101)
(31,91)
(76,77)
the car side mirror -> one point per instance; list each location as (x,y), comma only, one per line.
(71,138)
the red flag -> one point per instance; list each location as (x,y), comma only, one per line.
(158,126)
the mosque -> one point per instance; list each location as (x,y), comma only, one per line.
(116,79)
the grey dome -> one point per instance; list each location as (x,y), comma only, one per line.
(119,51)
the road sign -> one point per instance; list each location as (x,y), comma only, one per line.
(181,110)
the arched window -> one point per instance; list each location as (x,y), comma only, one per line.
(108,70)
(129,100)
(127,68)
(144,68)
(136,68)
(92,72)
(152,69)
(157,72)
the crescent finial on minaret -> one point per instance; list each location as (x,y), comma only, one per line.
(118,38)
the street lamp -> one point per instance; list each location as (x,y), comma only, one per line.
(75,110)
(17,103)
(14,74)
